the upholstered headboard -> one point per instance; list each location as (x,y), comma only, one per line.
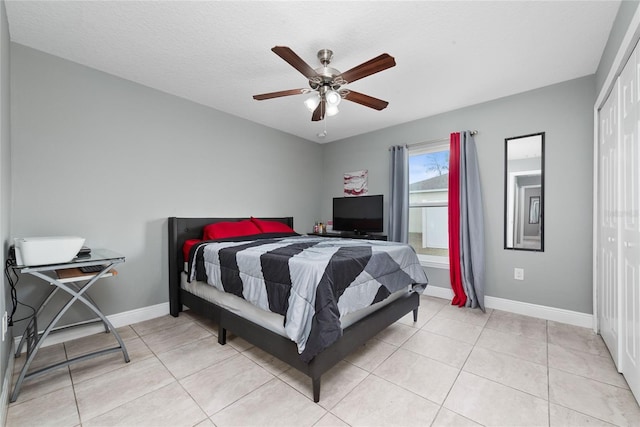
(182,229)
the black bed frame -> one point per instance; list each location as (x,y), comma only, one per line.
(182,229)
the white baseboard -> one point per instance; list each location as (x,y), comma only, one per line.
(146,313)
(541,311)
(438,292)
(139,315)
(117,320)
(534,310)
(6,387)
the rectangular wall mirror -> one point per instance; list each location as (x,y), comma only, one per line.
(524,192)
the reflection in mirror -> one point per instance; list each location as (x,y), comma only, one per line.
(524,193)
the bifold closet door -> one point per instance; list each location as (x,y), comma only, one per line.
(629,351)
(607,280)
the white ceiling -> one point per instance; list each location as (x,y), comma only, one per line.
(449,54)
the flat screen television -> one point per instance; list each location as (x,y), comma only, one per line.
(359,215)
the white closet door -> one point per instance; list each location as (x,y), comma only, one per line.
(629,351)
(607,280)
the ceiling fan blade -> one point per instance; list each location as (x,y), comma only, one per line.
(366,100)
(318,113)
(372,66)
(294,60)
(279,94)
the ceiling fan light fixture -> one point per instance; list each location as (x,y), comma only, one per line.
(333,98)
(312,102)
(332,110)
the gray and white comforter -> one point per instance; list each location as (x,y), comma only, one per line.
(311,281)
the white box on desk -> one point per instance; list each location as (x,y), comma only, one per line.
(46,250)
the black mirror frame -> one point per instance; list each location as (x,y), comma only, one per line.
(542,192)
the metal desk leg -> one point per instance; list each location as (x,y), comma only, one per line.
(25,336)
(75,296)
(88,297)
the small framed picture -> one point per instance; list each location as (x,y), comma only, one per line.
(355,183)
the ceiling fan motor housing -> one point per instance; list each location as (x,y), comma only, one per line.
(326,76)
(325,55)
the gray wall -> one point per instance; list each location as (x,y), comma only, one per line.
(110,160)
(5,175)
(619,29)
(107,159)
(561,275)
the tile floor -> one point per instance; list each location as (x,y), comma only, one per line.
(454,367)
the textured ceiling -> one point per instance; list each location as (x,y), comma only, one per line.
(449,54)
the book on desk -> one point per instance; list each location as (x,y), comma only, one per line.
(66,275)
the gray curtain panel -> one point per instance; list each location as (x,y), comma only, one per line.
(471,223)
(399,195)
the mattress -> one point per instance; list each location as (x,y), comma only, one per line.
(269,320)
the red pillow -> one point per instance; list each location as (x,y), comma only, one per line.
(186,248)
(272,226)
(222,230)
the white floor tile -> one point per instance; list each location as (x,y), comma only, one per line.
(455,329)
(376,402)
(447,418)
(267,361)
(423,376)
(396,334)
(335,384)
(54,409)
(176,336)
(525,326)
(42,385)
(565,417)
(413,373)
(273,404)
(588,365)
(473,316)
(371,355)
(46,356)
(330,420)
(576,338)
(514,345)
(221,384)
(429,307)
(438,347)
(187,359)
(92,368)
(112,389)
(160,323)
(489,403)
(98,341)
(598,400)
(169,405)
(508,370)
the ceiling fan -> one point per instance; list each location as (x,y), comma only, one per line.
(326,83)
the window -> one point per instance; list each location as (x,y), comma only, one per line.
(428,203)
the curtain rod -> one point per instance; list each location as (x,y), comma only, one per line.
(473,132)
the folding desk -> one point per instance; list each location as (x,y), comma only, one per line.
(69,278)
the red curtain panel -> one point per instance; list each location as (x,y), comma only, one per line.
(459,298)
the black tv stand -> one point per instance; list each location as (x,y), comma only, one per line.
(350,235)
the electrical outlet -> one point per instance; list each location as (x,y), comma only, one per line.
(518,273)
(4,325)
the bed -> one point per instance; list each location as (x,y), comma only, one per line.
(262,328)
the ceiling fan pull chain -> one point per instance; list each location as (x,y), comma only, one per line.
(323,134)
